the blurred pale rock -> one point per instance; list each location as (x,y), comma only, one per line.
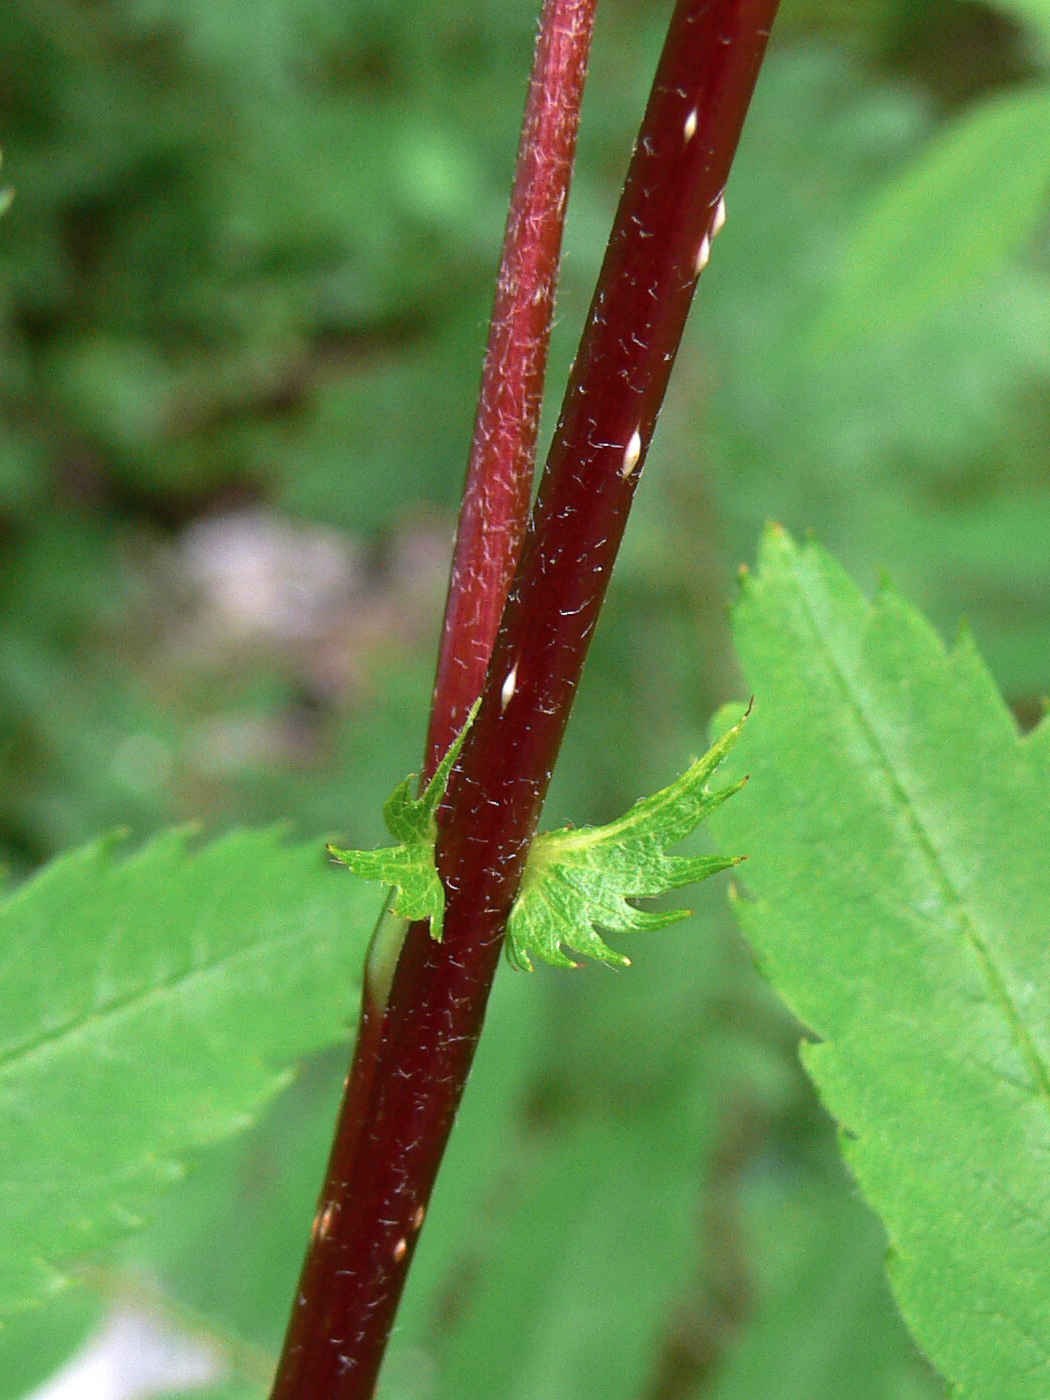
(270,577)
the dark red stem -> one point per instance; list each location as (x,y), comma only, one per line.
(382,1170)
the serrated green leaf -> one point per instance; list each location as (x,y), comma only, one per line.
(966,206)
(409,868)
(226,1244)
(898,827)
(148,1006)
(576,879)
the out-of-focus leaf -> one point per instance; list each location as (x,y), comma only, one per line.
(1035,13)
(899,433)
(824,1325)
(483,1153)
(897,826)
(233,1390)
(574,1297)
(597,1226)
(989,561)
(35,1343)
(967,205)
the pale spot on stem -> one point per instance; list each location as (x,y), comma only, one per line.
(506,695)
(703,254)
(400,1250)
(632,452)
(690,126)
(323,1223)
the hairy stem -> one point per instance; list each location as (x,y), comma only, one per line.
(499,478)
(383,1167)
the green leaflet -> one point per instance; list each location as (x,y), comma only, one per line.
(574,879)
(898,827)
(409,867)
(148,1006)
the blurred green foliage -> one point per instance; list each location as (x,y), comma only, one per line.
(243,291)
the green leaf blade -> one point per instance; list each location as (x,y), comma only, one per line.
(187,985)
(409,870)
(579,879)
(409,867)
(898,827)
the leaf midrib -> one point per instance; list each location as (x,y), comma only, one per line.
(996,982)
(584,837)
(43,1046)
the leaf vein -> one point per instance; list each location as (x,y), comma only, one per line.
(909,808)
(17,1058)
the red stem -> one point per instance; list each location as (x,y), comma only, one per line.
(382,1170)
(499,478)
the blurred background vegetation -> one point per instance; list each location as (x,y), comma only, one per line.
(243,293)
